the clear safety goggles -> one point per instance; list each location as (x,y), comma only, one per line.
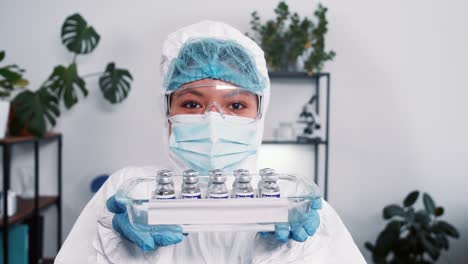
(233,103)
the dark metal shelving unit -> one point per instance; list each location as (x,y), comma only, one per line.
(28,208)
(315,78)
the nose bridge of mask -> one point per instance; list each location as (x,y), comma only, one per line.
(217,107)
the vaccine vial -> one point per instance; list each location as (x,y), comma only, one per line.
(190,185)
(243,188)
(217,188)
(234,183)
(270,188)
(165,185)
(263,172)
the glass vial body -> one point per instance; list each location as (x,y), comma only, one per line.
(217,187)
(243,187)
(263,172)
(190,185)
(164,185)
(270,187)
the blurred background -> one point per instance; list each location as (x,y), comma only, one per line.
(396,103)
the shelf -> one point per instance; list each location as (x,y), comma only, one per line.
(17,140)
(46,261)
(26,208)
(284,74)
(295,142)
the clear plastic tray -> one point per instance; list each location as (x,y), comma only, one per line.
(205,215)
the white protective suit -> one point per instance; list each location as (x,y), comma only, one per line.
(92,239)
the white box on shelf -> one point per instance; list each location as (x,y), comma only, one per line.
(4,112)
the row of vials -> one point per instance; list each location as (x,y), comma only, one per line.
(217,189)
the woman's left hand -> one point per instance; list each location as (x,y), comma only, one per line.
(299,230)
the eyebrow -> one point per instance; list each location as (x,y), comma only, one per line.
(236,92)
(188,91)
(199,94)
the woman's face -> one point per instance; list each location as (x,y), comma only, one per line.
(196,100)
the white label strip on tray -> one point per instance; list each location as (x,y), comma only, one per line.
(228,228)
(229,211)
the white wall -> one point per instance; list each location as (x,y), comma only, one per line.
(398,95)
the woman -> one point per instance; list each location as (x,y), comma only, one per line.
(216,93)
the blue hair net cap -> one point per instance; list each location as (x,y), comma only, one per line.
(218,59)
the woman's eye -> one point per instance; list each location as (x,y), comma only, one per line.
(237,106)
(192,105)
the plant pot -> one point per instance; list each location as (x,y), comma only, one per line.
(4,113)
(16,131)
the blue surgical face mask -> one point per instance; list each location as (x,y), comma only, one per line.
(212,141)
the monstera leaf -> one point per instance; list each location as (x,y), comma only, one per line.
(77,36)
(34,110)
(115,83)
(64,81)
(11,76)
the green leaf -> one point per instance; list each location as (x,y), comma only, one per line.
(393,210)
(11,77)
(429,203)
(4,93)
(77,36)
(428,244)
(387,239)
(442,241)
(11,73)
(34,110)
(21,83)
(410,215)
(2,55)
(439,211)
(448,229)
(64,81)
(423,218)
(115,83)
(411,198)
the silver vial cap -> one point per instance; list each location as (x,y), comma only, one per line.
(165,180)
(241,172)
(165,173)
(268,174)
(190,172)
(244,178)
(216,172)
(190,176)
(267,171)
(218,178)
(270,177)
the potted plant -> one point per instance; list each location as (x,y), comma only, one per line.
(11,78)
(291,43)
(412,236)
(37,111)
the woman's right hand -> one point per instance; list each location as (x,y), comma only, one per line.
(145,237)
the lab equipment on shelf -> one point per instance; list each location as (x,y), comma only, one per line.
(285,131)
(11,200)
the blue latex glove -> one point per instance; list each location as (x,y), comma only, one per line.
(299,230)
(145,237)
